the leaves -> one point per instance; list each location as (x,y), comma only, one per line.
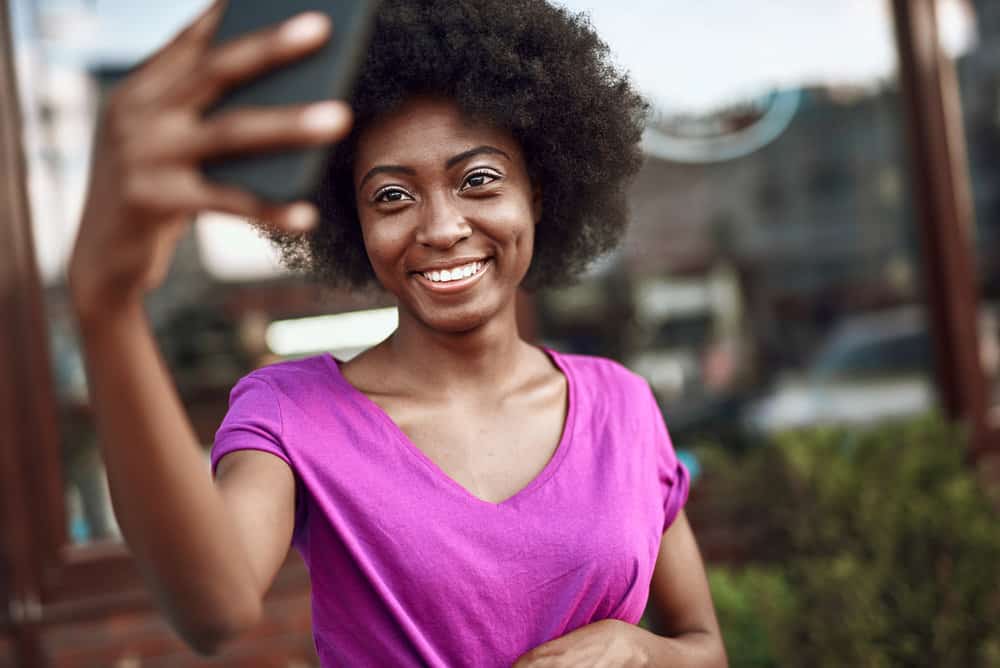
(888,546)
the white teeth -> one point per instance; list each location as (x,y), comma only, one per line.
(454,274)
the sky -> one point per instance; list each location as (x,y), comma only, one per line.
(686,56)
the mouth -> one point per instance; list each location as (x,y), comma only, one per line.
(454,279)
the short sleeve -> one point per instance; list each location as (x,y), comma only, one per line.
(254,422)
(675,481)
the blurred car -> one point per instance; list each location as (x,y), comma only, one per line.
(872,367)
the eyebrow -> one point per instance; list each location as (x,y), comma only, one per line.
(449,163)
(386,169)
(479,150)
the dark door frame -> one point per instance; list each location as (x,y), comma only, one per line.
(945,217)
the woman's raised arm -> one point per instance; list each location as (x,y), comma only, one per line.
(202,548)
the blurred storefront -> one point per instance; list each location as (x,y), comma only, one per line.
(813,247)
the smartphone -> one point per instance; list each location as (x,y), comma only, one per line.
(287,175)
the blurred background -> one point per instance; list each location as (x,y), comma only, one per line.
(809,283)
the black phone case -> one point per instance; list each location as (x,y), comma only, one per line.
(287,175)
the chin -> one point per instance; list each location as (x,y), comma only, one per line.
(457,322)
(453,318)
(457,313)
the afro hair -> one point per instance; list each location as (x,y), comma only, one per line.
(534,69)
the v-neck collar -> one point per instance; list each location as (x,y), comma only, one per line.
(407,444)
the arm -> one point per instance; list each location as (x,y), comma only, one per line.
(680,595)
(207,551)
(683,604)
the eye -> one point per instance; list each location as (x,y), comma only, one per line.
(390,194)
(480,177)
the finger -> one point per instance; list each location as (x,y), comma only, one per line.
(164,194)
(247,57)
(200,29)
(261,129)
(292,218)
(176,59)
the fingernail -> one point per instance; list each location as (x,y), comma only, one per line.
(305,27)
(323,117)
(302,217)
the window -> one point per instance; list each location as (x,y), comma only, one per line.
(734,287)
(770,217)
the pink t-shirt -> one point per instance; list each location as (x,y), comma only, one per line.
(408,568)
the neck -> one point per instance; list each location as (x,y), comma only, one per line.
(461,361)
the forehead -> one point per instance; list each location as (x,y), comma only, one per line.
(426,132)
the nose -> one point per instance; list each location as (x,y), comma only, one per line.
(442,224)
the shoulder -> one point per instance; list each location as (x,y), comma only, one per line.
(294,397)
(314,365)
(603,380)
(593,368)
(293,377)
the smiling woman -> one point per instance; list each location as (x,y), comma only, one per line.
(534,70)
(447,212)
(461,496)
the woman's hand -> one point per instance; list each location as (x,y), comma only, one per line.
(609,643)
(146,183)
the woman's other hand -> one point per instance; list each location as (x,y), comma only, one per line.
(146,183)
(609,643)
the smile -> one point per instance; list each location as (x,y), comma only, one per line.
(455,274)
(455,278)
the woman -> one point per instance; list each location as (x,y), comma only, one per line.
(460,496)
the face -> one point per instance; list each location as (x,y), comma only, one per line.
(447,212)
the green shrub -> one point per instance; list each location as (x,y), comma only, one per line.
(889,549)
(747,602)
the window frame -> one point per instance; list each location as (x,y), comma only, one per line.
(940,183)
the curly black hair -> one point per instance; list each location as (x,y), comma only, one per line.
(524,65)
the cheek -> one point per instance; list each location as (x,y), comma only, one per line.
(520,228)
(526,250)
(384,244)
(509,219)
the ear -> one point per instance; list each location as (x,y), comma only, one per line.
(536,203)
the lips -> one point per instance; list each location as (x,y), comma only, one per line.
(440,265)
(454,273)
(453,277)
